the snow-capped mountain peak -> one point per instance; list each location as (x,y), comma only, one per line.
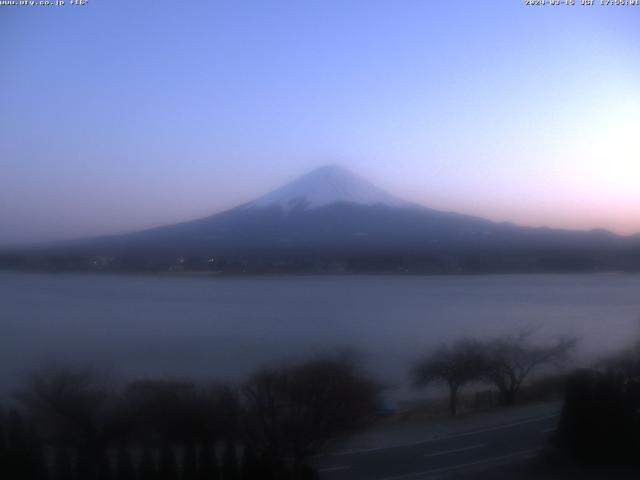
(324,186)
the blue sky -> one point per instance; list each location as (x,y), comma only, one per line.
(122,115)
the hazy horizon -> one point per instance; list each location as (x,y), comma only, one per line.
(258,196)
(120,117)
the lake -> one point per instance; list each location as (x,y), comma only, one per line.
(223,328)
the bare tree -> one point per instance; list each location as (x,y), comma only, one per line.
(454,365)
(179,412)
(512,358)
(72,407)
(292,412)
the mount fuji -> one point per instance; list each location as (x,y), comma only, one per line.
(332,219)
(325,186)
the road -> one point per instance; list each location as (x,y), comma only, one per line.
(446,455)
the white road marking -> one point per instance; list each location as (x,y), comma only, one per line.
(334,469)
(438,439)
(456,450)
(439,471)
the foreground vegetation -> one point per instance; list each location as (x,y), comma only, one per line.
(600,423)
(505,362)
(71,425)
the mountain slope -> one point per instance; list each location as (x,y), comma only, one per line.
(331,213)
(324,186)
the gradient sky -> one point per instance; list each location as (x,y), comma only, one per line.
(122,115)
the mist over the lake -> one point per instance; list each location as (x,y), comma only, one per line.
(222,329)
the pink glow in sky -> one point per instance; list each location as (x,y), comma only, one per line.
(139,114)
